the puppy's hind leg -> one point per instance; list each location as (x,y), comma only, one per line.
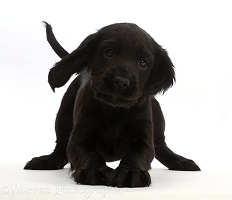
(162,153)
(63,126)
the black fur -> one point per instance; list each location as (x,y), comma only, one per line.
(109,111)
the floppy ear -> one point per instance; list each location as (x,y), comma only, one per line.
(72,63)
(162,75)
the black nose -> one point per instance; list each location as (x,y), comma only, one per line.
(121,82)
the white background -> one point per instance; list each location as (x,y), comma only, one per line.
(197,35)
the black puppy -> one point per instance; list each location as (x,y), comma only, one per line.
(109,111)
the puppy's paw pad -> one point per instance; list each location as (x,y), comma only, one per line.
(92,176)
(185,165)
(126,176)
(47,162)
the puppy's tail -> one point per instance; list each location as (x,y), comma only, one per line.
(60,51)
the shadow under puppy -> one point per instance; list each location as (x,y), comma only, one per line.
(109,112)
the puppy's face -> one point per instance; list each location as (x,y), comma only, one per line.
(124,62)
(121,66)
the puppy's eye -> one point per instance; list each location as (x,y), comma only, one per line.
(143,64)
(109,52)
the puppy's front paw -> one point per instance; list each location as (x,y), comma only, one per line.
(126,176)
(92,176)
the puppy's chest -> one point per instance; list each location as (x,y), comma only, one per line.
(114,133)
(115,141)
(112,124)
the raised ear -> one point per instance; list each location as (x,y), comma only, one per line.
(72,63)
(162,75)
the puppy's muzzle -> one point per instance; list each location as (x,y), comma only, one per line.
(121,82)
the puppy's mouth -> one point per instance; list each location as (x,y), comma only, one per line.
(113,99)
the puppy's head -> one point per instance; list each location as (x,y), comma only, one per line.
(124,62)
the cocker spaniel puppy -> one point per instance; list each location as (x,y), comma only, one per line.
(109,111)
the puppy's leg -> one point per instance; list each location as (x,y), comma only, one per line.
(133,168)
(162,153)
(63,126)
(88,167)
